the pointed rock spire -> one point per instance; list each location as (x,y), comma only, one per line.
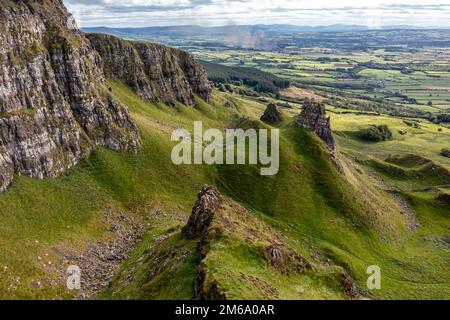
(272,114)
(313,117)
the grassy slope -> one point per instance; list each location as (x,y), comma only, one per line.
(310,204)
(37,215)
(322,215)
(427,140)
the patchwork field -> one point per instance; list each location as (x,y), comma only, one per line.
(418,80)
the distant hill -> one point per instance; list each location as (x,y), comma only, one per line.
(222,30)
(276,37)
(183,31)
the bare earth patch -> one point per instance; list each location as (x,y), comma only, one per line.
(298,93)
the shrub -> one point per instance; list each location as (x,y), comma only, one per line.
(441,118)
(377,133)
(412,124)
(445,153)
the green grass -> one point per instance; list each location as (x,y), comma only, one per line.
(427,141)
(157,271)
(346,222)
(67,211)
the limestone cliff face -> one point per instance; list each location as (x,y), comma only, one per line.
(155,72)
(54,106)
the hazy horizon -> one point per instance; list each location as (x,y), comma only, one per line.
(214,13)
(412,27)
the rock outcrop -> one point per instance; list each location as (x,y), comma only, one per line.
(227,252)
(207,205)
(351,289)
(313,118)
(54,107)
(272,115)
(215,218)
(155,72)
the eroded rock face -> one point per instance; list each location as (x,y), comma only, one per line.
(207,205)
(350,287)
(215,218)
(271,115)
(313,118)
(54,107)
(155,72)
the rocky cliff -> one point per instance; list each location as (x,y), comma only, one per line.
(154,72)
(54,106)
(313,117)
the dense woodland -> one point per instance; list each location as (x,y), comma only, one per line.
(259,80)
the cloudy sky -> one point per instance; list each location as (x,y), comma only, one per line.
(373,13)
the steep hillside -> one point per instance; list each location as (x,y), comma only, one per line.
(127,219)
(53,103)
(231,254)
(340,223)
(155,72)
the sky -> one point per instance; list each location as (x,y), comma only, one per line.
(373,13)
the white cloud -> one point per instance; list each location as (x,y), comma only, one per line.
(139,13)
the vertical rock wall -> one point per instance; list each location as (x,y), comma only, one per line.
(54,107)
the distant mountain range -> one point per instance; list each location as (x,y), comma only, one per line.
(278,36)
(189,31)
